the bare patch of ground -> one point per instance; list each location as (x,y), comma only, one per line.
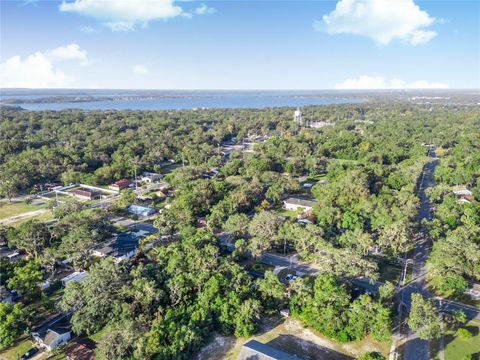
(292,337)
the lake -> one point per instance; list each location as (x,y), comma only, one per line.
(171,100)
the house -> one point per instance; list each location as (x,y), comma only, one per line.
(86,194)
(54,332)
(142,211)
(298,204)
(74,277)
(474,291)
(120,185)
(5,295)
(463,195)
(258,351)
(123,247)
(150,177)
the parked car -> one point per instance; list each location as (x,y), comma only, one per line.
(29,353)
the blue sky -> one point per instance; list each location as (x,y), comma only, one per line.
(161,44)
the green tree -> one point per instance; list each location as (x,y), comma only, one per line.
(237,225)
(127,198)
(373,355)
(97,299)
(26,279)
(31,236)
(423,318)
(272,291)
(247,317)
(12,323)
(119,340)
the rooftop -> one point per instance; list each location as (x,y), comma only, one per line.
(300,202)
(258,351)
(123,244)
(50,330)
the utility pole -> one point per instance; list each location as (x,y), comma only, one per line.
(135,174)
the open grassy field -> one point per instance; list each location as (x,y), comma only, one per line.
(11,209)
(457,348)
(16,351)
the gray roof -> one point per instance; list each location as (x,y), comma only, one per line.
(122,245)
(49,331)
(300,202)
(254,350)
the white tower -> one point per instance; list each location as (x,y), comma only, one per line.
(297,117)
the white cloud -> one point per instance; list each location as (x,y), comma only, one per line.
(365,82)
(124,15)
(88,29)
(140,69)
(381,20)
(39,70)
(69,52)
(204,9)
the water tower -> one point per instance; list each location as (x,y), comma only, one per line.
(297,116)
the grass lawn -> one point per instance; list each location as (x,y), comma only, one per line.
(98,335)
(456,348)
(11,209)
(259,267)
(14,353)
(287,213)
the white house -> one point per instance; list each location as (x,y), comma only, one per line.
(298,204)
(150,177)
(462,192)
(74,277)
(53,333)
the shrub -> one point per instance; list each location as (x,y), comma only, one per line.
(464,334)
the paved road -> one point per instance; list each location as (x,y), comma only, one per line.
(288,261)
(414,347)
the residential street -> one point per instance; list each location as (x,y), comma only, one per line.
(414,347)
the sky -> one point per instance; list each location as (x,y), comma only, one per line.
(167,44)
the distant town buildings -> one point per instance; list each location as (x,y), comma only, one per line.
(86,194)
(120,185)
(149,177)
(300,120)
(142,211)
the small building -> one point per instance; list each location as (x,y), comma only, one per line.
(150,177)
(86,194)
(474,291)
(54,332)
(5,295)
(123,247)
(463,195)
(142,211)
(14,256)
(76,276)
(258,351)
(298,204)
(120,185)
